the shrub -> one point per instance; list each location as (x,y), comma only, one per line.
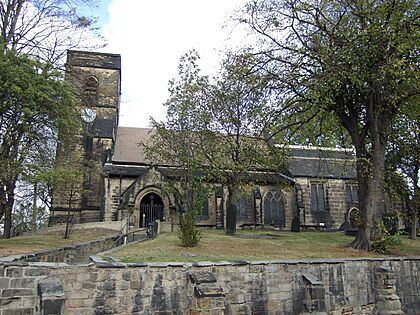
(187,231)
(383,240)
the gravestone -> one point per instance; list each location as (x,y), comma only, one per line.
(231,220)
(295,224)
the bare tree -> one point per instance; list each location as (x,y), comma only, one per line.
(46,28)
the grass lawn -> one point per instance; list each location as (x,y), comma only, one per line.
(33,243)
(216,246)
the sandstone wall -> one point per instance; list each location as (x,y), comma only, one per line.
(282,287)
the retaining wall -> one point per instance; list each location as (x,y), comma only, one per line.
(233,287)
(76,253)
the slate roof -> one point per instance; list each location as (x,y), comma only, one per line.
(321,168)
(312,162)
(127,148)
(318,162)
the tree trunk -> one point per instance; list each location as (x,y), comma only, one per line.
(7,210)
(67,232)
(7,231)
(371,191)
(34,210)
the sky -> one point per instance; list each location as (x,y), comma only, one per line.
(152,35)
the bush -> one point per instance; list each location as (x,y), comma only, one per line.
(384,240)
(187,231)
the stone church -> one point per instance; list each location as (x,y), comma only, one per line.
(320,186)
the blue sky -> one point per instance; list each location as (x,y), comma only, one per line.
(152,35)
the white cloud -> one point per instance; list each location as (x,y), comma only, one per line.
(151,36)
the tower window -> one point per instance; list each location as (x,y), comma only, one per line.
(91,87)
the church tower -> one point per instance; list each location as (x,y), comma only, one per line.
(95,78)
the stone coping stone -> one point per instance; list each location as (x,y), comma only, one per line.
(203,264)
(97,259)
(158,265)
(176,264)
(136,265)
(199,277)
(311,279)
(239,262)
(101,263)
(260,262)
(110,265)
(222,263)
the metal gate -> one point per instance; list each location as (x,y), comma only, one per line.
(149,213)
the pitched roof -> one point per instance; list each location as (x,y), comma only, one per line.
(316,162)
(127,148)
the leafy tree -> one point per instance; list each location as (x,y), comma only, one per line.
(67,177)
(177,142)
(356,59)
(214,128)
(403,157)
(45,28)
(34,104)
(239,107)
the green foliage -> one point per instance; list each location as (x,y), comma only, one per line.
(356,61)
(34,104)
(187,231)
(384,239)
(178,141)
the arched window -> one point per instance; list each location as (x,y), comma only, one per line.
(273,204)
(91,87)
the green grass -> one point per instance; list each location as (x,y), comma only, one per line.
(216,246)
(32,243)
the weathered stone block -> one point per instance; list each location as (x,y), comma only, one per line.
(19,311)
(202,277)
(22,282)
(14,272)
(208,290)
(10,302)
(17,292)
(4,282)
(36,272)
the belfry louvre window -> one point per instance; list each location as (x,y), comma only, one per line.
(317,197)
(91,90)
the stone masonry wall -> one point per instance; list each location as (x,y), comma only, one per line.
(76,253)
(282,287)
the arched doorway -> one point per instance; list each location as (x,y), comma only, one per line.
(354,218)
(151,209)
(274,209)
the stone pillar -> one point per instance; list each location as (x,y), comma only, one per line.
(208,296)
(52,296)
(387,302)
(314,297)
